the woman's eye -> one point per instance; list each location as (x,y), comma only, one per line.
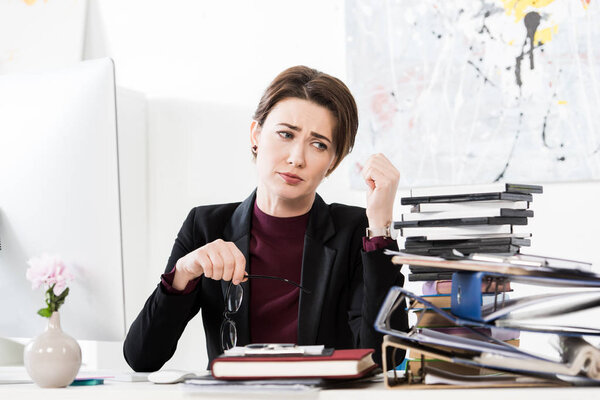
(285,135)
(320,146)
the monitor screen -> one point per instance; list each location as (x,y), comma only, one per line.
(59,194)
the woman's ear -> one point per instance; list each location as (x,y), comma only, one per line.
(254,132)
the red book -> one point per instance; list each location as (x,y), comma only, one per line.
(342,364)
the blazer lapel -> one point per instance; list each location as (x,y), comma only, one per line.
(238,232)
(317,262)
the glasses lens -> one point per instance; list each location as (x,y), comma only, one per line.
(235,294)
(228,334)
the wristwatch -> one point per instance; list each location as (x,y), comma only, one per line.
(387,232)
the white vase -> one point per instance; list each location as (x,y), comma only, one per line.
(53,358)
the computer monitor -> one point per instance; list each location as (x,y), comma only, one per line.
(59,194)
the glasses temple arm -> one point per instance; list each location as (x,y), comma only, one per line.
(280,279)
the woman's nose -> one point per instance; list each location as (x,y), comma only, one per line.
(296,156)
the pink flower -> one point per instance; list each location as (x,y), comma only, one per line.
(48,270)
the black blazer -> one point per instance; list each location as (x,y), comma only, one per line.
(347,286)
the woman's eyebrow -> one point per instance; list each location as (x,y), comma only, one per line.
(314,134)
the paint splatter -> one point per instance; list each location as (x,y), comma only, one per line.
(519,7)
(546,123)
(532,21)
(512,150)
(545,35)
(485,78)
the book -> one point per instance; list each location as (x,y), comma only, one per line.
(441,251)
(467,189)
(430,276)
(445,300)
(466,197)
(415,363)
(490,205)
(413,243)
(468,222)
(433,237)
(342,364)
(499,212)
(414,366)
(431,319)
(459,231)
(445,287)
(415,269)
(499,334)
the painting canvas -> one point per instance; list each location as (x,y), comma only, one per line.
(469,92)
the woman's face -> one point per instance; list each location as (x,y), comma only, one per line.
(294,148)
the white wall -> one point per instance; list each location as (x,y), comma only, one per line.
(203,66)
(37,35)
(223,51)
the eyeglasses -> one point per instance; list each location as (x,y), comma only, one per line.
(233,302)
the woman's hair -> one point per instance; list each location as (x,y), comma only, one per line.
(325,90)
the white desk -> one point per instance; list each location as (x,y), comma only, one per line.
(149,391)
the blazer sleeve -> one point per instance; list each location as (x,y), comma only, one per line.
(374,275)
(153,336)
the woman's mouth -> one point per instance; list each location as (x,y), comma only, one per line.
(290,179)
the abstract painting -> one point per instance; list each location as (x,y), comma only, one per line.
(469,92)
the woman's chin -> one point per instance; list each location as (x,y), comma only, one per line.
(292,192)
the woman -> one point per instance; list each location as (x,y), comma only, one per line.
(304,126)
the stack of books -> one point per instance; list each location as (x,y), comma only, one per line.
(457,221)
(489,218)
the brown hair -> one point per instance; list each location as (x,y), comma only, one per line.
(325,90)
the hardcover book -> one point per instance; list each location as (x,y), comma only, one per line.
(342,364)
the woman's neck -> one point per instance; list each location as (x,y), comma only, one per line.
(280,207)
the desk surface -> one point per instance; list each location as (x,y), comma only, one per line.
(145,390)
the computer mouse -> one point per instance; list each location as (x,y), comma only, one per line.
(170,376)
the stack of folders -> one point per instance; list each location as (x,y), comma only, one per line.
(472,334)
(427,318)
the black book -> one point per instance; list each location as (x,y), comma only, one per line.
(412,243)
(442,251)
(462,222)
(498,212)
(418,269)
(467,197)
(430,276)
(484,188)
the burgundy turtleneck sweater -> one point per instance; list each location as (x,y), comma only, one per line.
(276,246)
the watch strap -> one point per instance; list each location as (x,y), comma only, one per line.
(387,232)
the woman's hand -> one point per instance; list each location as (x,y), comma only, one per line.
(382,178)
(216,260)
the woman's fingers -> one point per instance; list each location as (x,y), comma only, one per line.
(379,168)
(382,179)
(228,264)
(220,260)
(239,272)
